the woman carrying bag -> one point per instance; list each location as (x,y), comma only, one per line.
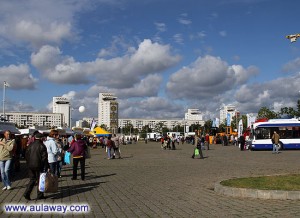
(77,149)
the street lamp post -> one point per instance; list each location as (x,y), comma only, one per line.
(81,109)
(5,84)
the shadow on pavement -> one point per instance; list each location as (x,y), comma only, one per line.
(67,191)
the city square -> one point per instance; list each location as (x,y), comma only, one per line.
(151,182)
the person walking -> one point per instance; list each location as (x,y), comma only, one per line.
(207,140)
(116,147)
(6,146)
(52,150)
(37,162)
(275,141)
(242,142)
(198,146)
(78,148)
(109,146)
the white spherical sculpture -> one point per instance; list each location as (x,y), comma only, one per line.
(81,109)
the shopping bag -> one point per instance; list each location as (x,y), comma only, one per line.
(42,182)
(68,157)
(196,151)
(51,183)
(87,152)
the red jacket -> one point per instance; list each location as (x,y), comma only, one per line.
(78,148)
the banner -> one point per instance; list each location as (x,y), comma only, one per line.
(228,119)
(240,128)
(187,129)
(217,122)
(93,124)
(250,120)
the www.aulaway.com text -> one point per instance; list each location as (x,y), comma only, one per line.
(46,208)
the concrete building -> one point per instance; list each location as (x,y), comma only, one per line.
(108,111)
(193,114)
(227,111)
(27,119)
(89,120)
(169,123)
(62,105)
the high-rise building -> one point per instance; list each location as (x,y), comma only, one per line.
(108,111)
(62,105)
(193,114)
(227,111)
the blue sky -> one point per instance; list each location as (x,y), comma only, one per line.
(159,57)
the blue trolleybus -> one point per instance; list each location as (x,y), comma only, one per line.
(288,130)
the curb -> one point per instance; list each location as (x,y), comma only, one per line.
(256,193)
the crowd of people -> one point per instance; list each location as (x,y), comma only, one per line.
(47,153)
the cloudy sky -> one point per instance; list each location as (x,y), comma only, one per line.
(160,57)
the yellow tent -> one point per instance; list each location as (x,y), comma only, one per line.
(98,131)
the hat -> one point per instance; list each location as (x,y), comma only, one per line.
(38,135)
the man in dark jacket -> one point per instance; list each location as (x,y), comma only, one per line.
(37,161)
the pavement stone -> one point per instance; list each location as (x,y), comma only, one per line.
(151,182)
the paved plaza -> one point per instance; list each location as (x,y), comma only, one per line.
(151,182)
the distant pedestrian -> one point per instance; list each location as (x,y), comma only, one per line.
(37,162)
(6,146)
(109,146)
(207,140)
(116,147)
(198,147)
(275,141)
(242,142)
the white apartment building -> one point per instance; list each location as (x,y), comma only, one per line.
(227,110)
(26,119)
(62,105)
(193,114)
(89,120)
(108,111)
(169,123)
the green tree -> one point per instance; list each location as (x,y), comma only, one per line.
(128,129)
(159,127)
(208,125)
(103,126)
(145,129)
(265,112)
(85,124)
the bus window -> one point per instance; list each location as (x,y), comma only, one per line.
(262,133)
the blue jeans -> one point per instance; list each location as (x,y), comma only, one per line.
(109,152)
(275,147)
(5,170)
(59,166)
(53,168)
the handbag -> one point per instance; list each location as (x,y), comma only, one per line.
(196,151)
(48,183)
(67,158)
(51,183)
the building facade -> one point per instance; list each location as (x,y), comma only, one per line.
(193,114)
(108,110)
(227,111)
(62,105)
(88,120)
(151,123)
(27,119)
